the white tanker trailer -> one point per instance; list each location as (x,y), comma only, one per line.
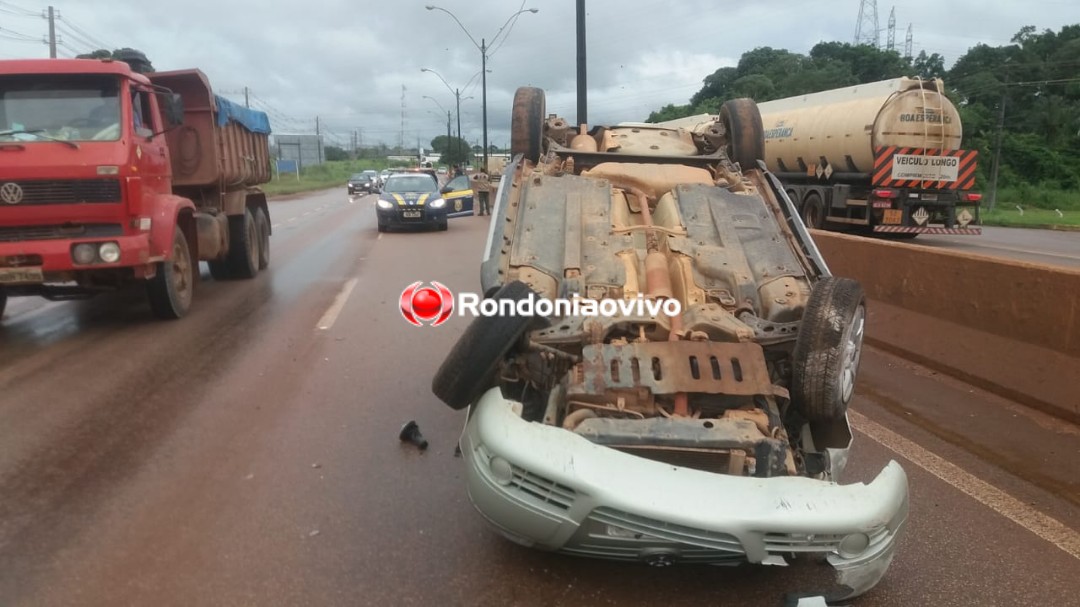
(883,156)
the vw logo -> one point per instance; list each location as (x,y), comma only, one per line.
(11,193)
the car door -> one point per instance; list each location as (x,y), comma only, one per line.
(458,195)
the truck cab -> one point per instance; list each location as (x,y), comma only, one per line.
(89,199)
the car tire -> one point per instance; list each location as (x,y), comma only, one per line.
(262,227)
(243,257)
(170,290)
(470,367)
(813,212)
(527,123)
(445,225)
(828,349)
(382,227)
(745,134)
(3,302)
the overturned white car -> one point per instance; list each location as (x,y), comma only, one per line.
(715,434)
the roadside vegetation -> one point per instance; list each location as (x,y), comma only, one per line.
(331,174)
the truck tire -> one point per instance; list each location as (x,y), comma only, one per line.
(262,226)
(527,123)
(813,212)
(243,259)
(745,135)
(219,270)
(171,288)
(3,303)
(828,348)
(469,370)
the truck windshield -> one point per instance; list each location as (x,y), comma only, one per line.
(69,107)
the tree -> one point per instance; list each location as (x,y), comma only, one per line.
(451,150)
(929,66)
(334,152)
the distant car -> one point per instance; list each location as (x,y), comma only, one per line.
(442,170)
(360,182)
(411,199)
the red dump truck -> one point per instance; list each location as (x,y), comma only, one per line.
(109,178)
(884,157)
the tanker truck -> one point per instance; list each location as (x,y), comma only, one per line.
(111,178)
(882,157)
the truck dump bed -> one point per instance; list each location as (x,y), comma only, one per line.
(220,144)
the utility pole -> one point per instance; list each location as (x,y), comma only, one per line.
(318,139)
(866,30)
(483,77)
(582,94)
(247,102)
(997,145)
(457,144)
(401,134)
(52,33)
(908,43)
(891,44)
(448,136)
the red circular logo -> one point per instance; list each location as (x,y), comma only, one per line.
(428,304)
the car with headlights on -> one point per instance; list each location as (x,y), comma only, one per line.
(361,182)
(410,200)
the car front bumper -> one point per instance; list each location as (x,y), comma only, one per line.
(551,489)
(396,216)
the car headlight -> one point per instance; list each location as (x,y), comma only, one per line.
(384,204)
(109,252)
(438,203)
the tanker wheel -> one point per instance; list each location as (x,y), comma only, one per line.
(3,302)
(745,135)
(470,367)
(827,351)
(527,123)
(813,212)
(171,288)
(243,260)
(262,225)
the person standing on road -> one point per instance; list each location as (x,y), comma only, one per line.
(481,185)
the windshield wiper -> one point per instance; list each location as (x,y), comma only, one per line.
(38,133)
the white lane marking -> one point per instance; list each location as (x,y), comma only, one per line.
(292,219)
(1030,252)
(306,214)
(275,225)
(379,237)
(335,308)
(1042,525)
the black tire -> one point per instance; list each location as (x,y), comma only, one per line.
(243,260)
(527,123)
(382,227)
(813,212)
(444,226)
(3,302)
(219,270)
(828,349)
(469,370)
(171,289)
(745,135)
(262,227)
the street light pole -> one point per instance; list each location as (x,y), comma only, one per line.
(483,85)
(457,144)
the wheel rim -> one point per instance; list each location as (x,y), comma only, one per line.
(812,214)
(852,353)
(181,272)
(253,242)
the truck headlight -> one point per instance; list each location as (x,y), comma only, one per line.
(438,203)
(109,252)
(384,204)
(84,253)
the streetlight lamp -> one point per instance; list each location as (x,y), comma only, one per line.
(457,96)
(483,48)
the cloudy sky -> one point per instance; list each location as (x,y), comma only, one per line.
(346,61)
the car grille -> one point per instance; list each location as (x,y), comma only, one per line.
(614,534)
(69,191)
(536,487)
(49,232)
(821,542)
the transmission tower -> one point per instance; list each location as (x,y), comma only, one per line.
(891,44)
(866,30)
(401,134)
(907,43)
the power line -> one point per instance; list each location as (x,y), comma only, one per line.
(86,35)
(19,10)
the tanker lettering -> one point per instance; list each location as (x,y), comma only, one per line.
(779,132)
(926,116)
(925,168)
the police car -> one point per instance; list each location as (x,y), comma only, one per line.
(458,195)
(411,199)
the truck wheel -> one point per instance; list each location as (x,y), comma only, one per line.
(527,123)
(262,226)
(469,370)
(219,270)
(828,348)
(3,303)
(813,212)
(171,288)
(243,257)
(745,135)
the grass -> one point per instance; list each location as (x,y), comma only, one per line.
(1005,214)
(320,177)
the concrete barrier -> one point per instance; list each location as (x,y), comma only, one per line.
(1008,326)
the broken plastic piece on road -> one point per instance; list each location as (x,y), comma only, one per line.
(410,433)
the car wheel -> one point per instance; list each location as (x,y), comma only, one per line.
(828,349)
(444,226)
(243,257)
(382,227)
(813,212)
(527,123)
(3,302)
(171,288)
(745,135)
(262,226)
(470,368)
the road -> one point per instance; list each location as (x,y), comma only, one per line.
(247,456)
(1051,247)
